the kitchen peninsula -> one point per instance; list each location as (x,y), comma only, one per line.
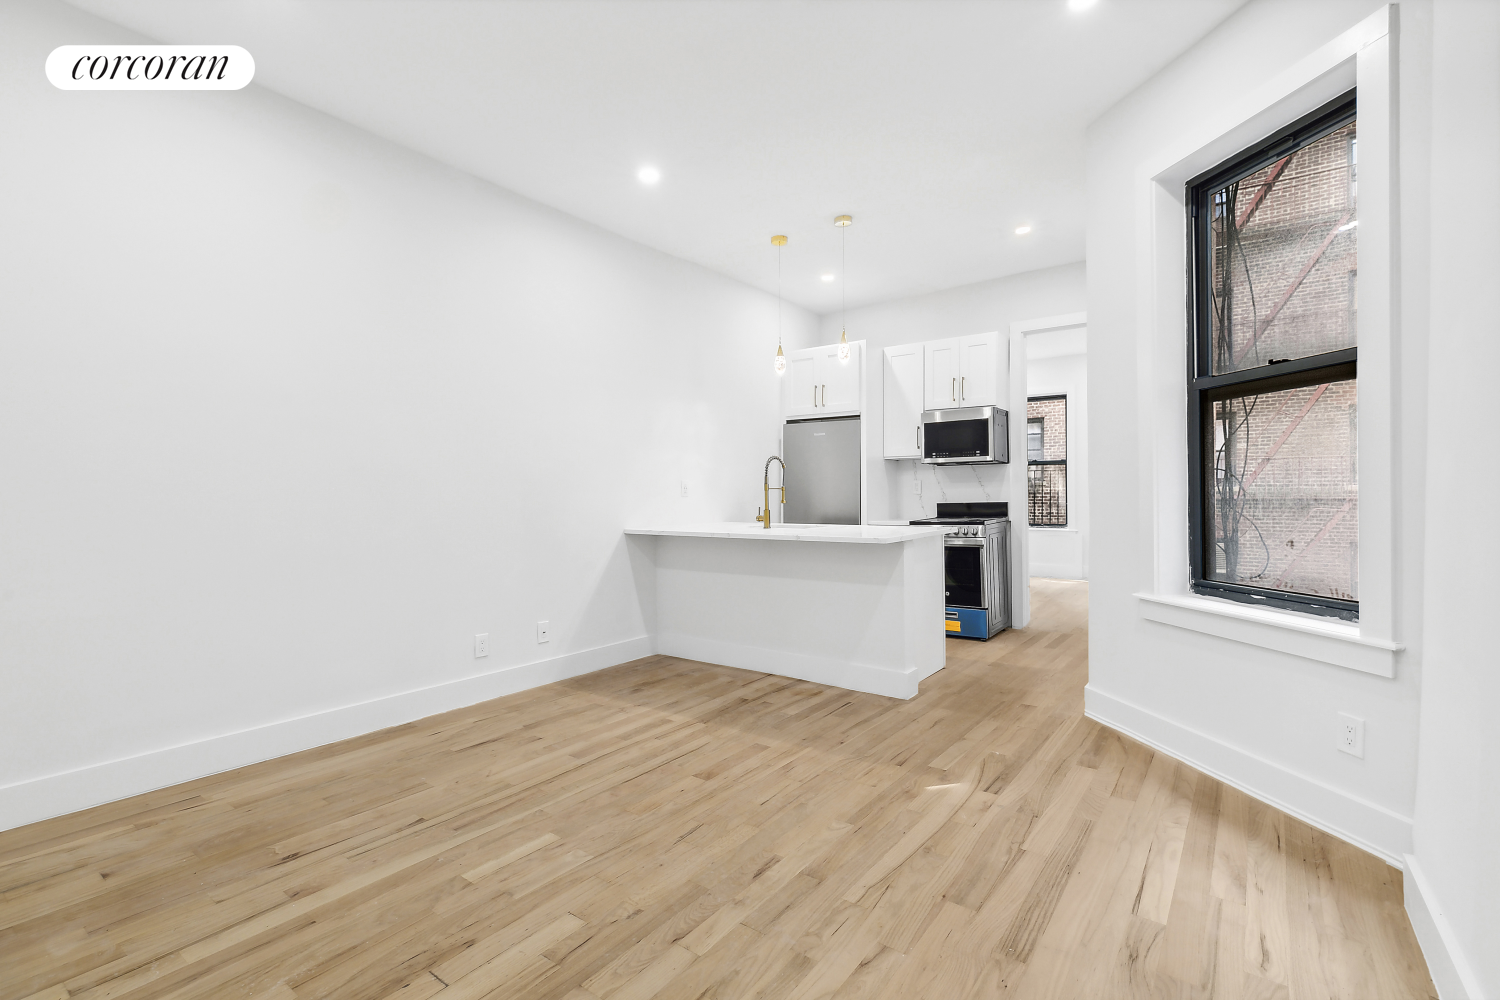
(854,605)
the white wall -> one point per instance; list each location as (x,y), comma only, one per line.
(288,414)
(1455,901)
(978,308)
(1062,553)
(1260,718)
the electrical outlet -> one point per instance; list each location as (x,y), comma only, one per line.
(1351,735)
(543,631)
(682,488)
(481,645)
(916,486)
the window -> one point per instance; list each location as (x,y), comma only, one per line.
(1272,388)
(1047,461)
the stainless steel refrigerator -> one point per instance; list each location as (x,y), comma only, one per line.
(822,471)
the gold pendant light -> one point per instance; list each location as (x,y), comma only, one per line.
(843,222)
(778,242)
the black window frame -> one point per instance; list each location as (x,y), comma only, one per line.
(1205,388)
(1067,499)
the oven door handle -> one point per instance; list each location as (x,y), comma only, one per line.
(968,543)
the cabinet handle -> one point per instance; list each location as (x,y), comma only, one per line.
(962,392)
(825,394)
(815,395)
(919,439)
(952,389)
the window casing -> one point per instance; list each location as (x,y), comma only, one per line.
(1272,387)
(1047,461)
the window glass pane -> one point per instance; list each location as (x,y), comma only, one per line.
(1034,440)
(1283,500)
(1053,417)
(1047,495)
(1283,257)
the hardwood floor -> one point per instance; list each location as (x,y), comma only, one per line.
(676,830)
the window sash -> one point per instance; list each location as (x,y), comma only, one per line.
(1204,388)
(1038,462)
(1309,129)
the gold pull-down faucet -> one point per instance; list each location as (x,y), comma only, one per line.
(764,515)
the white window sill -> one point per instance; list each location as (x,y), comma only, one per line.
(1324,640)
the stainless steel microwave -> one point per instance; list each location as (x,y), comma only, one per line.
(966,435)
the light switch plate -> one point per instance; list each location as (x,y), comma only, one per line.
(543,631)
(481,645)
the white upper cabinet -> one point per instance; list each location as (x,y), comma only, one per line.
(942,374)
(800,393)
(962,371)
(902,391)
(978,363)
(841,379)
(818,384)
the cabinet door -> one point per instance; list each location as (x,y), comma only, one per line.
(942,374)
(901,392)
(978,366)
(839,381)
(801,387)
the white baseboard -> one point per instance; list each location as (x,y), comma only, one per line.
(1368,826)
(818,669)
(58,794)
(1450,970)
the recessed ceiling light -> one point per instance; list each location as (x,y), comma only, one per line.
(648,175)
(827,277)
(1077,5)
(1022,230)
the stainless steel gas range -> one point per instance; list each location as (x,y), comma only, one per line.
(976,558)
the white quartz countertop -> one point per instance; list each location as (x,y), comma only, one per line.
(867,534)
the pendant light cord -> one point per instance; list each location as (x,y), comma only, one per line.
(778,298)
(843,286)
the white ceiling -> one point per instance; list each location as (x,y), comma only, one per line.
(939,125)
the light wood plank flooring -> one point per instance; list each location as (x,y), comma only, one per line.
(676,830)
